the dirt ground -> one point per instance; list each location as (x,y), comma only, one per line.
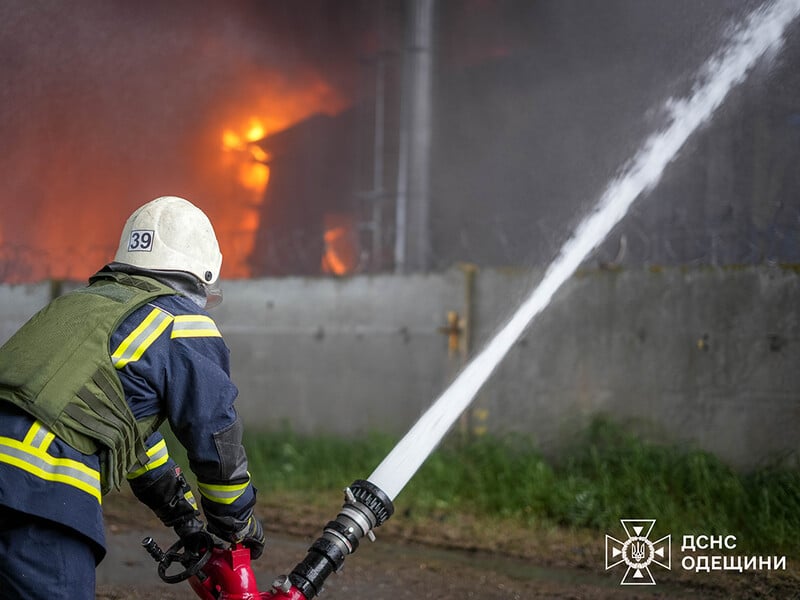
(445,557)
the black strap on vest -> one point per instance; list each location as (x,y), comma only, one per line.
(104,412)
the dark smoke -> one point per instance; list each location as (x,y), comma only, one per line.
(536,105)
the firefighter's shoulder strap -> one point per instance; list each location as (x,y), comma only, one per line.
(57,368)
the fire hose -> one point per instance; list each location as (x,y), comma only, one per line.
(218,573)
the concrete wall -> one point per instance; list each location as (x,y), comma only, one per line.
(344,356)
(18,303)
(708,356)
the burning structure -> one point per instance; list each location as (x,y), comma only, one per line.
(117,104)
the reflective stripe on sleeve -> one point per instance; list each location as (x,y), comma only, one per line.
(194,326)
(140,339)
(158,455)
(40,464)
(223,494)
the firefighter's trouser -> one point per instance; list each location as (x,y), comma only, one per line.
(42,560)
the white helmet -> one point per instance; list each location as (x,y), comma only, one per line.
(171,234)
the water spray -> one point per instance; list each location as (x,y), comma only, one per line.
(226,574)
(762,32)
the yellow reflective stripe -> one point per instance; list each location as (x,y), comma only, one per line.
(42,465)
(223,494)
(47,440)
(32,432)
(38,436)
(194,326)
(190,498)
(140,339)
(158,456)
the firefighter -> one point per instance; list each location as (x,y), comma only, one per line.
(85,386)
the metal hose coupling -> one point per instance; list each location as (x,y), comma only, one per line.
(365,507)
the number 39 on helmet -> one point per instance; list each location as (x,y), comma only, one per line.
(171,234)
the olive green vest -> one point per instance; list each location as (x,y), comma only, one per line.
(58,369)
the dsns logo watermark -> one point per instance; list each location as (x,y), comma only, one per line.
(638,552)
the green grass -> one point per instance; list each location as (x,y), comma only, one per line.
(287,461)
(611,474)
(607,474)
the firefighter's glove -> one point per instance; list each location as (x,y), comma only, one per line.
(188,529)
(193,536)
(252,537)
(250,533)
(170,497)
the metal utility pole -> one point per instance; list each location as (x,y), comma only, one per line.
(378,194)
(412,238)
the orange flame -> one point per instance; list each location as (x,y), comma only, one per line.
(341,245)
(247,163)
(249,159)
(218,164)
